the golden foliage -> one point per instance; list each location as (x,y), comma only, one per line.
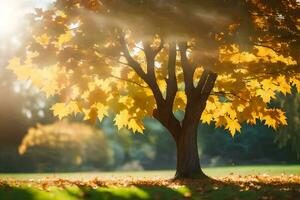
(85,66)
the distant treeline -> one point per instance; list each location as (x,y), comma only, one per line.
(152,150)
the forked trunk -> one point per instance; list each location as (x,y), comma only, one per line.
(188,163)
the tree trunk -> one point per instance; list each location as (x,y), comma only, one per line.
(188,164)
(185,132)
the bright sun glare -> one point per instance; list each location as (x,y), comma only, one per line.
(8,17)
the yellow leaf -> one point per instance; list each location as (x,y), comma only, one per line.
(206,117)
(64,38)
(241,107)
(232,113)
(269,121)
(135,126)
(282,117)
(266,95)
(43,40)
(60,110)
(296,82)
(253,84)
(284,86)
(74,107)
(127,101)
(101,111)
(14,62)
(233,126)
(91,114)
(50,89)
(210,106)
(122,119)
(268,84)
(21,71)
(221,121)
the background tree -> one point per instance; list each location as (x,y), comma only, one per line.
(222,61)
(63,146)
(290,135)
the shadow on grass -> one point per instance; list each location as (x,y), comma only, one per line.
(209,189)
(14,193)
(88,193)
(250,190)
(132,192)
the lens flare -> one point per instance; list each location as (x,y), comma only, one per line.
(8,17)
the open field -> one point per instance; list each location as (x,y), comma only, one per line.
(246,182)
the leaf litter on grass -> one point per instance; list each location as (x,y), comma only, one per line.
(228,187)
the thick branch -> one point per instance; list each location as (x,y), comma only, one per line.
(150,58)
(165,113)
(208,86)
(162,113)
(197,102)
(148,78)
(188,69)
(131,62)
(171,81)
(159,48)
(202,81)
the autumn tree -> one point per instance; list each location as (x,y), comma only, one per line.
(62,145)
(219,61)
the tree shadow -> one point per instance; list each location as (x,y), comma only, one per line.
(178,189)
(131,192)
(14,193)
(250,190)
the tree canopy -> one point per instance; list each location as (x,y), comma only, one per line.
(133,59)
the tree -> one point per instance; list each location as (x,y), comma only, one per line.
(64,146)
(218,61)
(290,135)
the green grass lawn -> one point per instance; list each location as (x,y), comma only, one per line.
(213,171)
(283,186)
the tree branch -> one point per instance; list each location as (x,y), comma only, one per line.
(171,81)
(266,46)
(159,48)
(208,86)
(202,82)
(228,93)
(162,113)
(149,78)
(188,69)
(131,62)
(165,113)
(149,53)
(150,59)
(129,81)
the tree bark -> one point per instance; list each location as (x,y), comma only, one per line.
(188,163)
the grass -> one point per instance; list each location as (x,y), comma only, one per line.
(235,182)
(76,193)
(213,171)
